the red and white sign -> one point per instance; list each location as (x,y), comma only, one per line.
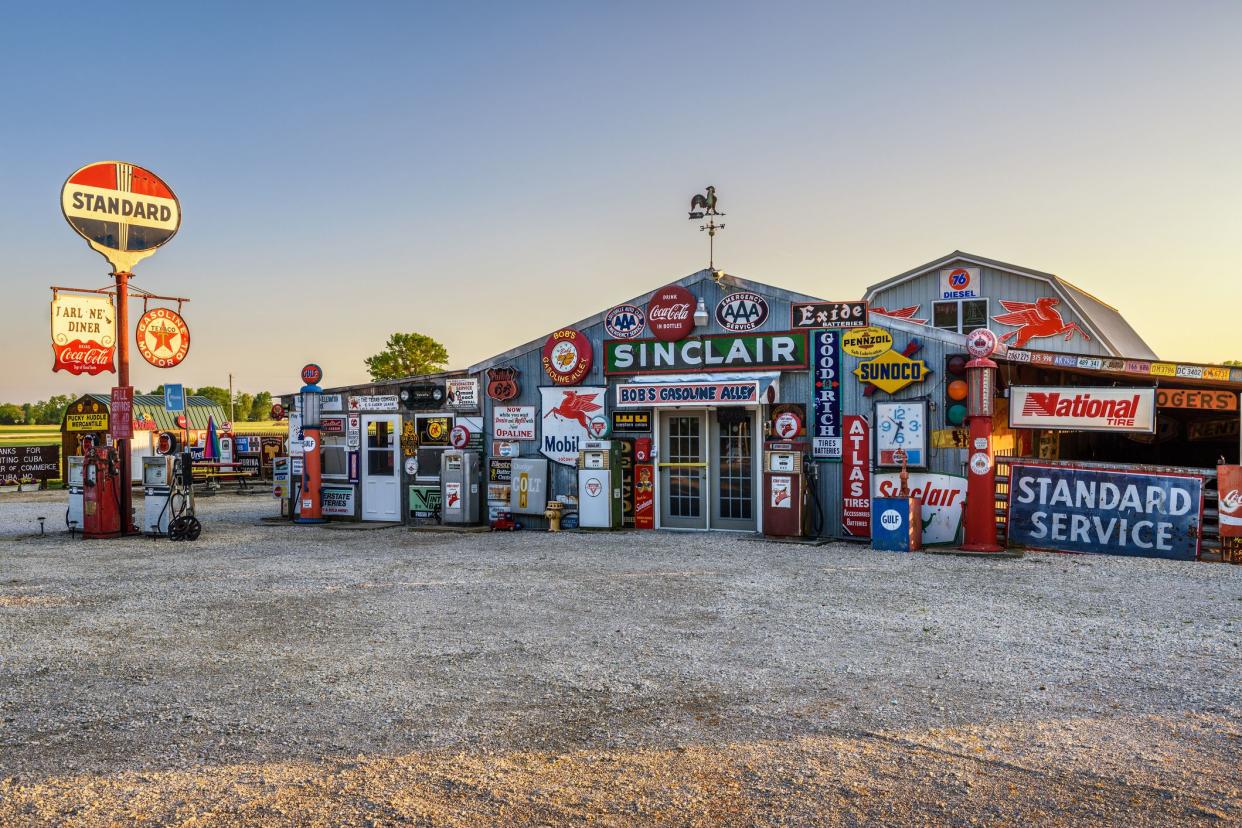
(787,425)
(856,477)
(644,496)
(567,356)
(513,422)
(459,436)
(780,492)
(277,411)
(311,373)
(1068,408)
(121,415)
(981,343)
(959,283)
(83,333)
(943,497)
(670,313)
(566,420)
(123,211)
(1229,487)
(163,337)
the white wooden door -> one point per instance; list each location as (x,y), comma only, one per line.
(381,477)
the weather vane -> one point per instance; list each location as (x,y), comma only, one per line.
(703,206)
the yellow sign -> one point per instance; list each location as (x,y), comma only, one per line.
(1216,373)
(866,342)
(892,371)
(87,422)
(1163,369)
(950,438)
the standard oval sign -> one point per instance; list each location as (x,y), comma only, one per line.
(124,211)
(866,342)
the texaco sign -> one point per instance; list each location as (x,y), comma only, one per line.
(163,337)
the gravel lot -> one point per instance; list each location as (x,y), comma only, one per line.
(287,675)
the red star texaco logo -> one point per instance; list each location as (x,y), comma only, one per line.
(163,337)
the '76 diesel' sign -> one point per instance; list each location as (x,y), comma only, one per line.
(731,352)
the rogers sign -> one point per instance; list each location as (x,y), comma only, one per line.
(1083,409)
(670,313)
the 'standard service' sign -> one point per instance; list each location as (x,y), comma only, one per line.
(645,395)
(1108,511)
(1069,408)
(730,352)
(122,210)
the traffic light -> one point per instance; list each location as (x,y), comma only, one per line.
(955,390)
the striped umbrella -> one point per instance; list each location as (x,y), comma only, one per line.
(211,450)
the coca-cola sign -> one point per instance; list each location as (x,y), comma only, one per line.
(1229,486)
(670,313)
(83,333)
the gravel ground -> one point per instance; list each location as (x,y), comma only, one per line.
(280,674)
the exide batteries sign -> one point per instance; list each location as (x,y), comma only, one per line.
(1108,511)
(1067,408)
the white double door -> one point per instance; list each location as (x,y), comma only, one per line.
(381,467)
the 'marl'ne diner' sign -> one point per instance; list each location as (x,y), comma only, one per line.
(731,352)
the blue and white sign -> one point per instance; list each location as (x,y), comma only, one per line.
(646,395)
(1106,511)
(174,397)
(826,417)
(625,322)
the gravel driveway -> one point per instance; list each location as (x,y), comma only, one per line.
(279,674)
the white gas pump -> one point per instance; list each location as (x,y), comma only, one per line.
(168,488)
(73,477)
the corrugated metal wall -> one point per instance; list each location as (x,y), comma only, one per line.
(995,285)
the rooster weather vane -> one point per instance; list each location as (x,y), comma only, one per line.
(703,206)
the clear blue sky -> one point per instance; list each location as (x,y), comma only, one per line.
(485,173)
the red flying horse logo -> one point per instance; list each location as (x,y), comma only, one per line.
(1035,320)
(900,313)
(575,406)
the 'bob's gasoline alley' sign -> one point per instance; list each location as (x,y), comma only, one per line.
(1108,511)
(730,352)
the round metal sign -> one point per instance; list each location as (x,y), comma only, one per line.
(163,337)
(742,311)
(981,343)
(277,412)
(567,356)
(625,322)
(670,313)
(311,374)
(459,436)
(787,425)
(124,211)
(866,342)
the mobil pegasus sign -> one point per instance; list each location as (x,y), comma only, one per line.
(1067,408)
(1110,511)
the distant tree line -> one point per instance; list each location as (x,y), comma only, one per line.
(51,411)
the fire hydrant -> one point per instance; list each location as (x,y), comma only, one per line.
(553,514)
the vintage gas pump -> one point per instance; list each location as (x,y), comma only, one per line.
(786,490)
(101,494)
(459,486)
(159,478)
(73,478)
(600,505)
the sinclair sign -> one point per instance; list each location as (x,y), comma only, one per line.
(730,352)
(123,211)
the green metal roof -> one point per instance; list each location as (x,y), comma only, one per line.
(151,406)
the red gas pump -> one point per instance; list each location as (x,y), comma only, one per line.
(785,490)
(101,494)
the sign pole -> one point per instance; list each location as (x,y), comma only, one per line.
(122,357)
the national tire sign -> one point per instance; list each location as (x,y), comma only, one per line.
(1082,408)
(123,211)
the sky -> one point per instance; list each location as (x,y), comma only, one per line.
(486,173)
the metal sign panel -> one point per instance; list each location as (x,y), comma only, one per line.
(21,463)
(566,420)
(122,417)
(163,337)
(462,394)
(374,402)
(123,211)
(959,283)
(338,501)
(943,497)
(513,422)
(174,397)
(631,422)
(658,395)
(1081,408)
(709,354)
(1229,487)
(856,477)
(83,333)
(1108,511)
(826,373)
(828,315)
(1206,399)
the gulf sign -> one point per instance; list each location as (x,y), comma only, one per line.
(959,283)
(122,210)
(1068,408)
(1105,511)
(646,395)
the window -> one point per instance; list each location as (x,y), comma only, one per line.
(334,457)
(961,315)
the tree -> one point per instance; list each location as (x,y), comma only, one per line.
(216,395)
(11,414)
(261,408)
(242,404)
(52,410)
(1232,362)
(158,390)
(407,354)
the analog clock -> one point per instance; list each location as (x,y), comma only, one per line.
(901,425)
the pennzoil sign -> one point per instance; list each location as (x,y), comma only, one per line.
(1068,408)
